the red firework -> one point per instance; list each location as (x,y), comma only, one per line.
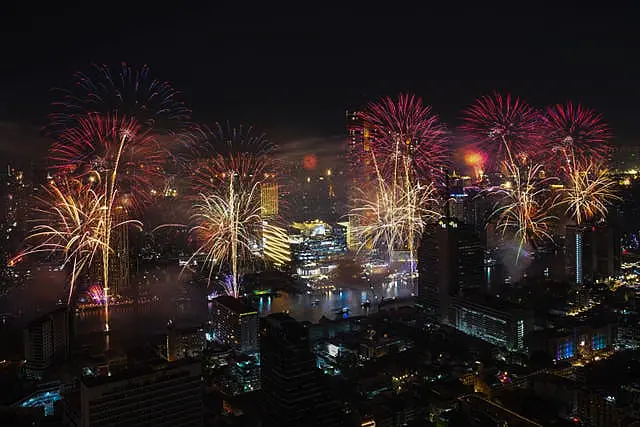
(407,124)
(502,126)
(577,129)
(91,150)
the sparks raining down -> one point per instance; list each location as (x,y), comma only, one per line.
(503,126)
(394,212)
(107,152)
(125,92)
(406,124)
(228,225)
(525,205)
(588,192)
(69,223)
(575,131)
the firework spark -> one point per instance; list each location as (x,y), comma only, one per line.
(589,190)
(125,92)
(576,130)
(69,222)
(91,150)
(503,126)
(525,205)
(394,213)
(408,125)
(223,286)
(228,225)
(96,293)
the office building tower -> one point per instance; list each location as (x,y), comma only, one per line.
(293,392)
(46,340)
(235,324)
(269,199)
(168,394)
(592,252)
(456,206)
(119,263)
(450,262)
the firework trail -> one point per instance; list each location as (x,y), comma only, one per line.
(394,212)
(574,131)
(228,224)
(503,126)
(588,191)
(231,168)
(69,222)
(119,160)
(525,205)
(124,92)
(406,126)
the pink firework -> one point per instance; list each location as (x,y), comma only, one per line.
(117,147)
(573,128)
(408,125)
(96,293)
(502,126)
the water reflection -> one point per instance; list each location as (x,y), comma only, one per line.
(311,308)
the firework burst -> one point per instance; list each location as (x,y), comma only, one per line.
(575,131)
(406,125)
(588,191)
(110,148)
(525,204)
(394,212)
(503,126)
(126,92)
(228,225)
(69,222)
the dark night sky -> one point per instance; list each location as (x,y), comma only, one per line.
(293,72)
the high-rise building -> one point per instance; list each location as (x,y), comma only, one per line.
(46,340)
(168,394)
(293,392)
(235,324)
(450,262)
(269,199)
(592,252)
(119,264)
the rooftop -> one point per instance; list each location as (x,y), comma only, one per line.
(234,304)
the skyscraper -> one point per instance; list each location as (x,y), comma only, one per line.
(450,262)
(235,324)
(293,393)
(269,199)
(592,252)
(46,340)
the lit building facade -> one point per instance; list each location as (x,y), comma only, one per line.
(503,327)
(269,199)
(275,244)
(163,395)
(235,324)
